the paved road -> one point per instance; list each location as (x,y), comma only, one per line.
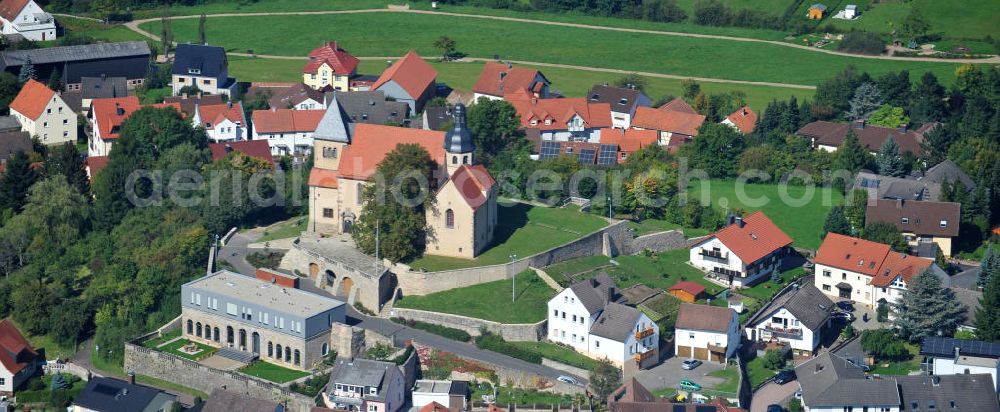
(134,25)
(235,253)
(773,394)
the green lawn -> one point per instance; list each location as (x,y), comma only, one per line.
(511,395)
(757,373)
(160,383)
(732,376)
(53,350)
(174,347)
(214,7)
(289,228)
(562,272)
(99,31)
(558,353)
(803,223)
(955,19)
(153,343)
(648,226)
(272,372)
(490,301)
(462,75)
(765,290)
(661,271)
(687,56)
(523,230)
(911,364)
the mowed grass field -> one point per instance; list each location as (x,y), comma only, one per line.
(462,75)
(491,300)
(953,19)
(392,34)
(801,217)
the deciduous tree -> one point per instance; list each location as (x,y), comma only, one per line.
(605,378)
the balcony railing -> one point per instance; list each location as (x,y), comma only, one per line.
(716,254)
(639,357)
(788,333)
(645,333)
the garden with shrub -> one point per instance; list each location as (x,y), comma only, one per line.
(56,390)
(495,343)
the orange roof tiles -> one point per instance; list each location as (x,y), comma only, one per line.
(667,120)
(9,9)
(411,72)
(554,114)
(498,79)
(339,60)
(96,164)
(214,114)
(756,238)
(16,352)
(690,287)
(744,119)
(629,140)
(258,149)
(286,120)
(473,183)
(372,142)
(323,178)
(32,99)
(110,113)
(434,407)
(869,258)
(678,105)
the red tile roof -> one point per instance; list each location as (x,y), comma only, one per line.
(703,317)
(558,112)
(9,9)
(744,119)
(667,120)
(497,79)
(411,72)
(175,105)
(96,164)
(473,183)
(871,137)
(339,60)
(15,351)
(629,140)
(32,99)
(756,238)
(286,120)
(678,105)
(258,149)
(690,287)
(214,114)
(111,112)
(869,258)
(323,178)
(372,142)
(434,407)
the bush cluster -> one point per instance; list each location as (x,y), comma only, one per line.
(450,333)
(495,343)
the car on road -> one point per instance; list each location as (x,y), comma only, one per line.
(845,306)
(784,377)
(689,385)
(568,379)
(775,408)
(690,364)
(842,317)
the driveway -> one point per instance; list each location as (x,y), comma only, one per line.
(668,374)
(773,394)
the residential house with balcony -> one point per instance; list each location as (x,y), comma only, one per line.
(364,385)
(27,20)
(203,66)
(330,66)
(798,317)
(561,120)
(287,131)
(743,253)
(498,79)
(949,356)
(867,272)
(708,333)
(624,101)
(676,122)
(588,317)
(920,223)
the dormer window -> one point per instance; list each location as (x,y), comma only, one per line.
(548,122)
(194,71)
(534,122)
(623,101)
(904,220)
(373,390)
(943,223)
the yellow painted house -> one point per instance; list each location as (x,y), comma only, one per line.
(329,65)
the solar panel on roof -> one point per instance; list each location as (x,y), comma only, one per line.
(679,408)
(587,156)
(106,390)
(705,408)
(608,154)
(549,150)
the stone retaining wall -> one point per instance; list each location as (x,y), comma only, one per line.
(531,332)
(659,242)
(572,370)
(145,361)
(520,378)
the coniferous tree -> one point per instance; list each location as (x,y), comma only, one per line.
(866,99)
(988,267)
(27,71)
(836,222)
(17,178)
(927,100)
(851,156)
(55,80)
(201,30)
(927,308)
(888,160)
(65,160)
(988,315)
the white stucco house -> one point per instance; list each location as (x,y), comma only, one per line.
(18,360)
(708,333)
(948,356)
(43,113)
(27,19)
(222,122)
(743,253)
(587,317)
(797,317)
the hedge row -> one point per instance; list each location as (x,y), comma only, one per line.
(450,333)
(496,344)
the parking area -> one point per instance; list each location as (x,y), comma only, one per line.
(668,374)
(773,394)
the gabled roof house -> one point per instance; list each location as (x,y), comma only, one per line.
(498,79)
(744,252)
(410,79)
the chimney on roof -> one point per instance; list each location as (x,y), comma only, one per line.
(184,96)
(229,104)
(819,367)
(859,124)
(610,296)
(936,380)
(119,110)
(593,282)
(739,221)
(745,112)
(903,127)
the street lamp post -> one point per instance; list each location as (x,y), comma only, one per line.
(513,278)
(609,206)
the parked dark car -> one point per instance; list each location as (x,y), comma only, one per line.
(775,408)
(845,306)
(842,317)
(784,377)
